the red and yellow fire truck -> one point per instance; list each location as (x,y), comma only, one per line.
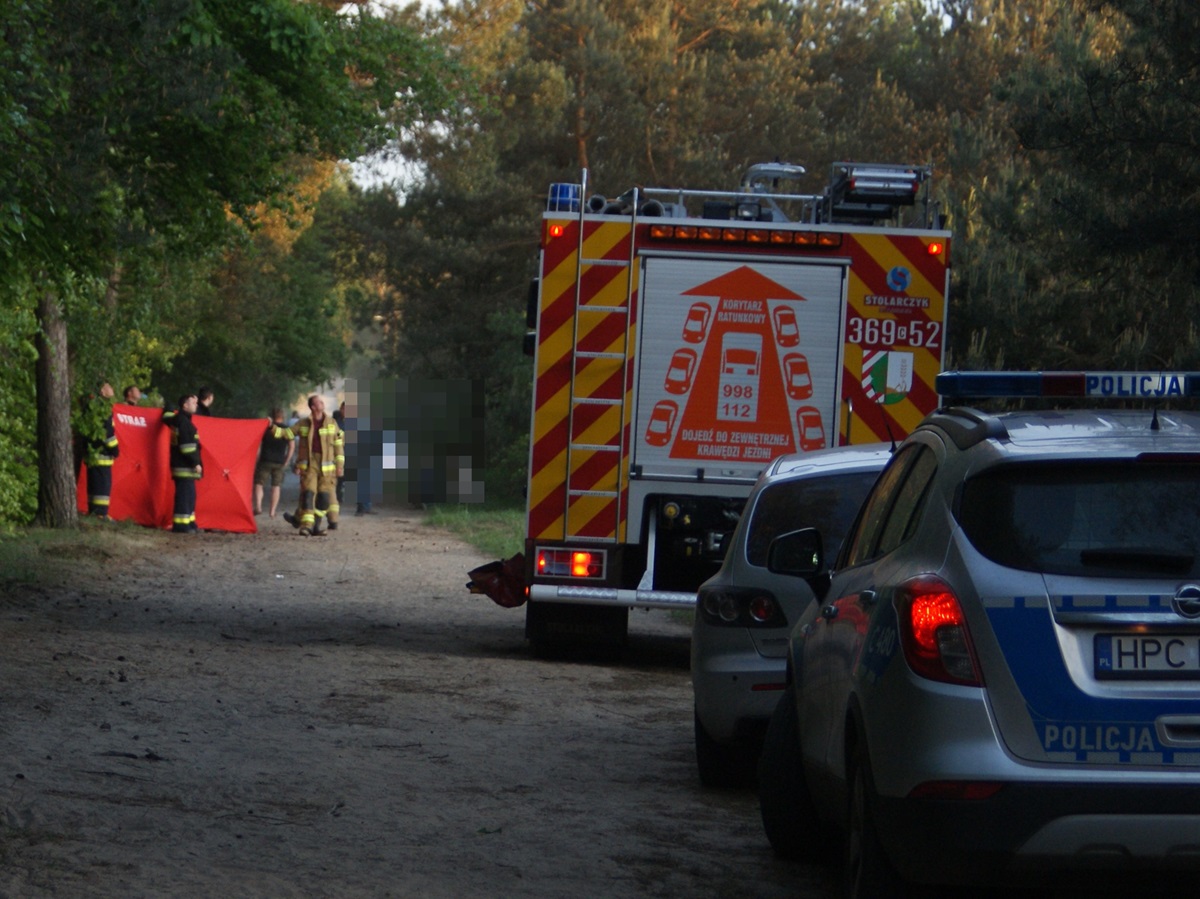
(682,339)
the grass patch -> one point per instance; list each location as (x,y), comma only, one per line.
(498,532)
(44,555)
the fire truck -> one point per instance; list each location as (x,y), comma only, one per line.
(684,338)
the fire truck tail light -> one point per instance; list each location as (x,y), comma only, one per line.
(935,248)
(555,230)
(762,236)
(570,563)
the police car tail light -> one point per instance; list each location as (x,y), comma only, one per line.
(933,633)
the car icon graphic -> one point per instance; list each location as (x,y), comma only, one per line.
(662,423)
(787,329)
(812,432)
(695,326)
(796,376)
(680,371)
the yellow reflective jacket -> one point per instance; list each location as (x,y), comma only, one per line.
(328,437)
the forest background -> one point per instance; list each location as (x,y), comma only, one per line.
(176,206)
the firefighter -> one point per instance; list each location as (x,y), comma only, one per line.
(185,464)
(320,461)
(101,454)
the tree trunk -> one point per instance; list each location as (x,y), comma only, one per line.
(56,461)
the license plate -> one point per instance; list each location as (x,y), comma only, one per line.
(1150,656)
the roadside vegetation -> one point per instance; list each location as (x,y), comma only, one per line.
(496,531)
(1063,136)
(54,556)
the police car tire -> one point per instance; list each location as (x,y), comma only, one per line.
(869,874)
(788,815)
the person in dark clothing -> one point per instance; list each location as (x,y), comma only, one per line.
(278,443)
(101,454)
(185,464)
(204,401)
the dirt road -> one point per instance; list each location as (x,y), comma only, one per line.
(270,715)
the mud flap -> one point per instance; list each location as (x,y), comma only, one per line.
(552,627)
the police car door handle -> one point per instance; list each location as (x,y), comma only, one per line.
(829,612)
(867,598)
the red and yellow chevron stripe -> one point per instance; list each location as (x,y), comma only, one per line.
(584,381)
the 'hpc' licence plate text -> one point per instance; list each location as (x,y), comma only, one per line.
(1147,655)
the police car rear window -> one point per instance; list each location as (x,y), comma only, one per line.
(1136,519)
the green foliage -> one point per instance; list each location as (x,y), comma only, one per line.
(142,144)
(496,531)
(18,467)
(129,131)
(272,322)
(1109,120)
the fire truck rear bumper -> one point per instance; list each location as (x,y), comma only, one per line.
(611,596)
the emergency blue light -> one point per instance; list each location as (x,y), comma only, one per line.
(1092,384)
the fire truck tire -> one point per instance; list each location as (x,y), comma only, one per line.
(554,628)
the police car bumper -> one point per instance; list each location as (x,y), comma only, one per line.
(1033,833)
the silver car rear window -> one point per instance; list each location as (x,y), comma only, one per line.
(1133,518)
(828,504)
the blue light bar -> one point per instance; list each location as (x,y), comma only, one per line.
(1113,385)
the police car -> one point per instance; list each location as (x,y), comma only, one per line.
(1001,684)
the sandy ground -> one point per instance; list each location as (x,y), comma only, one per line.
(270,715)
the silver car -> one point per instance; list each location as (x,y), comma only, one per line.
(1001,684)
(744,612)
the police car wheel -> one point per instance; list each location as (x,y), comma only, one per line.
(788,816)
(869,874)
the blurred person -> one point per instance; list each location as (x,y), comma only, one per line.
(340,417)
(204,401)
(133,395)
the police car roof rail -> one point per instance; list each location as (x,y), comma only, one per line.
(967,426)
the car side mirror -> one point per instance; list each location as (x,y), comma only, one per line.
(798,553)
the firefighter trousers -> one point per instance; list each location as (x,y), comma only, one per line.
(99,486)
(183,517)
(318,499)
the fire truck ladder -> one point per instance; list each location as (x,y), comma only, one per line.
(588,317)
